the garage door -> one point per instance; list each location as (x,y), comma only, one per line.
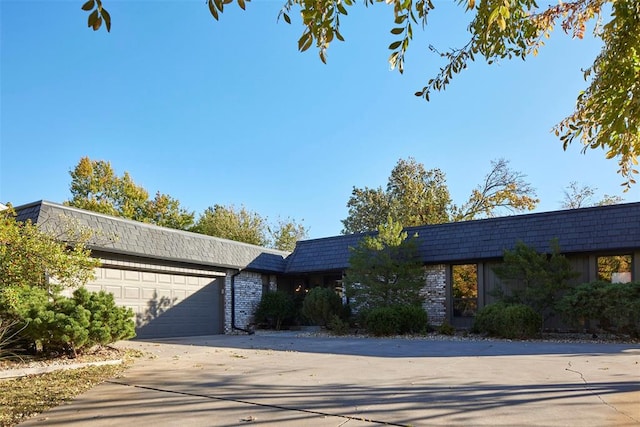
(166,304)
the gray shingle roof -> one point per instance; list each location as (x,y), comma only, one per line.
(139,239)
(596,229)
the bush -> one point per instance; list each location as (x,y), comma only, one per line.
(275,308)
(382,321)
(399,319)
(71,324)
(337,326)
(446,329)
(508,321)
(614,306)
(412,319)
(321,305)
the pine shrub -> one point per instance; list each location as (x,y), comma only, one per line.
(321,305)
(274,309)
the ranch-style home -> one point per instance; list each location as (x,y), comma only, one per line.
(183,284)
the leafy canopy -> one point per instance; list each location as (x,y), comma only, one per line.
(242,225)
(607,113)
(96,187)
(416,196)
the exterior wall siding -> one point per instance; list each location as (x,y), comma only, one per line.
(248,292)
(435,303)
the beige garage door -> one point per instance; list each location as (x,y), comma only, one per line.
(166,304)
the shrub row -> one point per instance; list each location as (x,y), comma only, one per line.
(396,320)
(614,307)
(508,321)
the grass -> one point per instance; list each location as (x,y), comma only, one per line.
(26,397)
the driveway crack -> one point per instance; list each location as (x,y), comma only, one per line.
(588,388)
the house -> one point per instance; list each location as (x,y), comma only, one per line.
(182,283)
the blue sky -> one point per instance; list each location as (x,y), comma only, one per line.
(231,113)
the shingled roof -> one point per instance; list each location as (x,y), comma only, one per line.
(150,241)
(594,229)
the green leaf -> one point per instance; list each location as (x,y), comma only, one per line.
(397,31)
(241,4)
(395,45)
(88,5)
(342,9)
(305,41)
(286,18)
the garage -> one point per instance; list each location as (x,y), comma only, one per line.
(166,303)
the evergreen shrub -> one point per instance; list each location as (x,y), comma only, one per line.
(508,321)
(321,305)
(274,309)
(615,307)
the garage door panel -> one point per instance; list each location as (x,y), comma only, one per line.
(166,305)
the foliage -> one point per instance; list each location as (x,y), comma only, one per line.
(501,188)
(385,269)
(614,306)
(607,113)
(320,305)
(72,324)
(576,196)
(508,321)
(412,319)
(396,320)
(274,308)
(95,187)
(231,223)
(535,279)
(35,264)
(416,196)
(337,326)
(446,329)
(242,225)
(25,397)
(382,321)
(285,234)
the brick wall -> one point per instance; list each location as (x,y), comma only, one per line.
(435,294)
(248,292)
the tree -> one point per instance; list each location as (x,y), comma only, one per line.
(95,187)
(285,234)
(35,264)
(31,258)
(385,270)
(501,188)
(231,223)
(416,196)
(576,196)
(606,114)
(242,225)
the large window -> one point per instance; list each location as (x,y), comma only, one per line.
(615,269)
(464,279)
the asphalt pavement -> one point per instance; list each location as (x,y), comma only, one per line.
(289,380)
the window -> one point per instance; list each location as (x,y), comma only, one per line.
(615,269)
(465,289)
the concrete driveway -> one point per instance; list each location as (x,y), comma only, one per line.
(285,380)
